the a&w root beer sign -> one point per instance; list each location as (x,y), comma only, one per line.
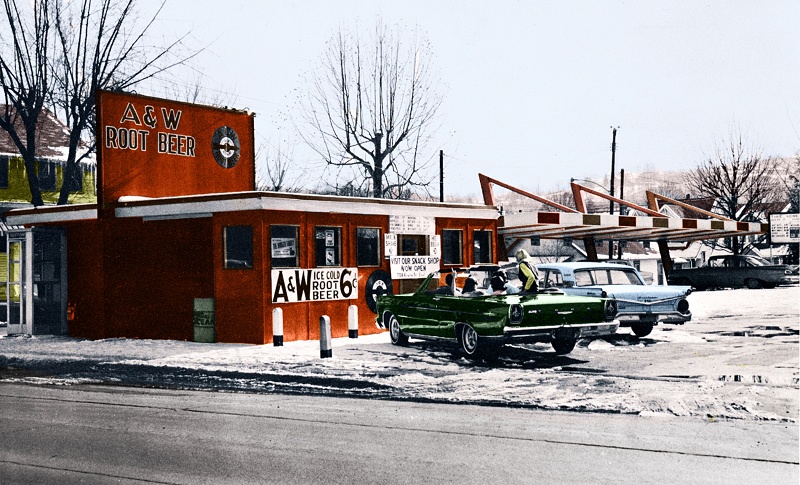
(160,148)
(294,285)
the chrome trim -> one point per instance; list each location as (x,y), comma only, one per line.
(650,303)
(549,328)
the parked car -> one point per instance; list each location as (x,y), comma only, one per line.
(639,306)
(481,323)
(735,272)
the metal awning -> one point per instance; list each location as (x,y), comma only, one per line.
(578,225)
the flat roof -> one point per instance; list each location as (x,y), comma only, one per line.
(194,206)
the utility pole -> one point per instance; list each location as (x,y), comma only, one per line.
(441,175)
(613,160)
(622,209)
(611,202)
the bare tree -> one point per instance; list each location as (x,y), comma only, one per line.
(274,173)
(372,105)
(25,79)
(740,180)
(99,49)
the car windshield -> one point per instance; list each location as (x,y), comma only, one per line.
(756,261)
(589,277)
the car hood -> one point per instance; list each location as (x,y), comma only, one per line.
(640,292)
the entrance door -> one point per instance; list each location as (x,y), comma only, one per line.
(49,282)
(19,294)
(36,294)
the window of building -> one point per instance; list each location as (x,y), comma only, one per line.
(413,245)
(238,247)
(47,176)
(3,173)
(284,246)
(73,177)
(328,243)
(368,252)
(451,246)
(482,246)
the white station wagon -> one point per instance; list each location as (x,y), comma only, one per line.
(639,306)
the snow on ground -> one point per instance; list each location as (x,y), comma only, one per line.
(739,358)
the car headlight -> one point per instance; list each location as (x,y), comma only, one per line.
(515,313)
(683,306)
(611,309)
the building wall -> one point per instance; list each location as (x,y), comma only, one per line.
(138,279)
(85,281)
(18,189)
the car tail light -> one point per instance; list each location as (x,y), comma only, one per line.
(611,309)
(515,313)
(683,306)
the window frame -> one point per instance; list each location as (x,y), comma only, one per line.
(225,248)
(488,233)
(376,262)
(337,246)
(446,248)
(296,246)
(46,172)
(5,162)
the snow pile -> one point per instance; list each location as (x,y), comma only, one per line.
(738,358)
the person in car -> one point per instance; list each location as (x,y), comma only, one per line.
(470,288)
(447,288)
(498,284)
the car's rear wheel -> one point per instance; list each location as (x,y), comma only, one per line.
(395,334)
(642,329)
(469,340)
(563,346)
(753,283)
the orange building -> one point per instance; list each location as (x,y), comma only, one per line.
(181,246)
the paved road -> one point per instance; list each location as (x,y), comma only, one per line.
(106,434)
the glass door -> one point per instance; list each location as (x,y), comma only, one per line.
(18,277)
(49,282)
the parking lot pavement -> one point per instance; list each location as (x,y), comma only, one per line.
(737,359)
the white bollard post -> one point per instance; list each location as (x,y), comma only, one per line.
(277,327)
(352,321)
(325,350)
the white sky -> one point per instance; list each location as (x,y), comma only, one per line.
(531,88)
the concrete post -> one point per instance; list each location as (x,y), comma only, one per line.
(277,327)
(325,350)
(352,321)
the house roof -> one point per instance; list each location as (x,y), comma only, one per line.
(52,138)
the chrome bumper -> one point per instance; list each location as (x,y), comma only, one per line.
(643,317)
(549,333)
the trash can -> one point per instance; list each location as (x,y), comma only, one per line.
(204,321)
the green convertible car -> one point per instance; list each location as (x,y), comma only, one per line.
(481,322)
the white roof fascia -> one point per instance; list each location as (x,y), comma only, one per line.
(191,209)
(49,216)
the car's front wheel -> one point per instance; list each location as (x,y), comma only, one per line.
(395,334)
(642,329)
(563,346)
